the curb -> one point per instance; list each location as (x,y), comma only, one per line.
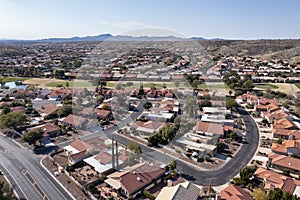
(67,191)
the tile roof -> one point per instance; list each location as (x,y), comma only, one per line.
(79,145)
(210,127)
(74,120)
(49,109)
(287,162)
(140,176)
(280,181)
(233,192)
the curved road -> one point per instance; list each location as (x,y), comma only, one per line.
(15,159)
(201,177)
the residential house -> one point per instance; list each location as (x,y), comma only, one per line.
(233,192)
(284,123)
(133,180)
(102,114)
(286,134)
(186,190)
(102,162)
(74,121)
(288,147)
(209,129)
(282,162)
(148,127)
(77,151)
(48,111)
(272,179)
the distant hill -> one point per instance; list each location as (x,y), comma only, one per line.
(108,37)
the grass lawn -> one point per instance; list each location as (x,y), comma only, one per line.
(265,86)
(297,85)
(212,86)
(72,84)
(14,79)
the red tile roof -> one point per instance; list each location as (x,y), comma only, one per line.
(233,192)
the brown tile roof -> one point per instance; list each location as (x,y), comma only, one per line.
(154,125)
(285,132)
(102,113)
(282,148)
(74,120)
(140,176)
(280,181)
(104,157)
(79,145)
(210,127)
(233,192)
(49,128)
(284,124)
(287,162)
(48,109)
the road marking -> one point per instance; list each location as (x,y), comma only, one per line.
(15,181)
(35,184)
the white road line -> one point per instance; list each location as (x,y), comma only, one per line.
(15,181)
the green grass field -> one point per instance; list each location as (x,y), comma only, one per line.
(297,85)
(265,86)
(14,79)
(72,84)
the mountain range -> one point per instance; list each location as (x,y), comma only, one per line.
(109,37)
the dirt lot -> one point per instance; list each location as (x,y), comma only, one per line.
(65,181)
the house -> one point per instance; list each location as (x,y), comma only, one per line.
(77,151)
(101,114)
(186,190)
(216,110)
(74,121)
(288,147)
(273,179)
(284,123)
(233,192)
(134,179)
(282,162)
(209,129)
(50,130)
(148,127)
(286,134)
(59,94)
(102,162)
(277,115)
(48,111)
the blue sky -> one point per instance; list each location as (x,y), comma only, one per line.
(231,19)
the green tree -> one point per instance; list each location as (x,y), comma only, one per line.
(231,103)
(65,110)
(177,83)
(5,110)
(5,192)
(147,105)
(172,165)
(259,194)
(134,147)
(33,136)
(67,84)
(12,120)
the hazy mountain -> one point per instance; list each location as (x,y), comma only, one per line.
(108,37)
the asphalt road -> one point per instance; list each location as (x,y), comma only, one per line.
(198,176)
(16,162)
(213,177)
